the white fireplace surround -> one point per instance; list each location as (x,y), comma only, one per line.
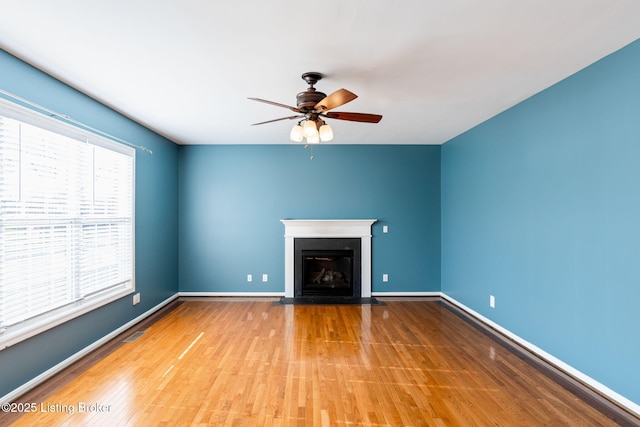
(327,228)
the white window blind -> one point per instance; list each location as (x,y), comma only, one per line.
(66,222)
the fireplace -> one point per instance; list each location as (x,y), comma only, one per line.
(327,267)
(341,247)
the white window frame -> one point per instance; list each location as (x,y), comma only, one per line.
(14,333)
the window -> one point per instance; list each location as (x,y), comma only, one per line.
(66,222)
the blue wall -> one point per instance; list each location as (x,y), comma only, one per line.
(232,199)
(156,225)
(541,208)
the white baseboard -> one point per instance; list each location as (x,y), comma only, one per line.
(281,294)
(34,382)
(231,294)
(406,294)
(552,360)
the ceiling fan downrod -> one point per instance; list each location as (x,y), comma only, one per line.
(312,78)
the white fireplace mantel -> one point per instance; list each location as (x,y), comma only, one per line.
(327,228)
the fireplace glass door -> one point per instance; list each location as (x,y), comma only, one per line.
(327,267)
(327,272)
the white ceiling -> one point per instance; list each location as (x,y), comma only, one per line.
(432,68)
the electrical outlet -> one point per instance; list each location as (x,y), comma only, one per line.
(249,278)
(492,301)
(385,277)
(265,277)
(385,229)
(136,298)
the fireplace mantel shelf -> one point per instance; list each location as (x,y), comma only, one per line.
(327,228)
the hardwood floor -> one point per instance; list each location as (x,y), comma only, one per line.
(254,363)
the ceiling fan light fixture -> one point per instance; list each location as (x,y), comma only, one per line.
(313,139)
(326,133)
(297,133)
(310,128)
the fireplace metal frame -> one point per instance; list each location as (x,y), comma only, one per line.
(302,245)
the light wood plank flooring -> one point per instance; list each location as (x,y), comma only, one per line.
(229,362)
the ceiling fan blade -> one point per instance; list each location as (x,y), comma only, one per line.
(277,104)
(277,120)
(354,117)
(336,99)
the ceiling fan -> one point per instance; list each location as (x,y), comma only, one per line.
(313,107)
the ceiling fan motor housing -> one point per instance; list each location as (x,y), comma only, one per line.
(308,99)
